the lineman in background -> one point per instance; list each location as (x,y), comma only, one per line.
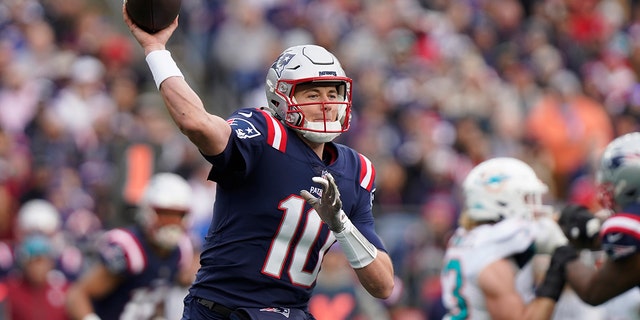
(618,178)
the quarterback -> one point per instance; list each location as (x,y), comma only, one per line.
(286,192)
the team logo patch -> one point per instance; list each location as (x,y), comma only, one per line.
(243,128)
(619,251)
(495,182)
(283,311)
(282,61)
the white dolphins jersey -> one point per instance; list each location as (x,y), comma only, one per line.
(470,251)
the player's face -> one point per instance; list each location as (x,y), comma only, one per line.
(169,217)
(316,101)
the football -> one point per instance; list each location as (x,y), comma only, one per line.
(152,15)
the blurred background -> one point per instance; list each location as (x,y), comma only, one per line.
(440,85)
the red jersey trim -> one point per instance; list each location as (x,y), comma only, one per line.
(276,133)
(367,173)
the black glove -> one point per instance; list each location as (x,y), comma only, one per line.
(554,279)
(580,226)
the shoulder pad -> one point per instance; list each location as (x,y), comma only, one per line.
(121,251)
(367,173)
(276,132)
(508,237)
(620,235)
(243,123)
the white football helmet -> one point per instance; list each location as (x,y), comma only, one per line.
(618,176)
(502,188)
(38,216)
(303,64)
(165,191)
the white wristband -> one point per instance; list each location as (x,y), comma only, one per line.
(162,66)
(358,250)
(91,316)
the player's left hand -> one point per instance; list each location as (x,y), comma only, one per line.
(329,206)
(555,276)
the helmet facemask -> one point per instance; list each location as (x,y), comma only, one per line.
(319,131)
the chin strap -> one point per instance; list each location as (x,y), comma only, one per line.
(358,250)
(321,137)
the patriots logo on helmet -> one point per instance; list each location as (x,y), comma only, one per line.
(282,61)
(619,160)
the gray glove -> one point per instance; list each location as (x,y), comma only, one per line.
(329,206)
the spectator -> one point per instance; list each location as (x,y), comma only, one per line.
(36,289)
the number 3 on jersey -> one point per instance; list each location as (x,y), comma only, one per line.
(452,286)
(280,250)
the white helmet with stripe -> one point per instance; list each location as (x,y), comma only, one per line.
(502,188)
(308,64)
(38,216)
(165,191)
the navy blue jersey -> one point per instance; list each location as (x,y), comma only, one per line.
(265,245)
(146,275)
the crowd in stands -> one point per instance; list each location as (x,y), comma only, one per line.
(439,87)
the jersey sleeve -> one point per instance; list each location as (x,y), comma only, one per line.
(251,130)
(620,235)
(361,215)
(121,253)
